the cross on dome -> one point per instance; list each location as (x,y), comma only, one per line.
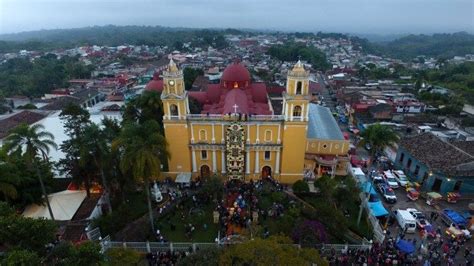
(235,108)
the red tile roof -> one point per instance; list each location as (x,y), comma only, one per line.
(13,121)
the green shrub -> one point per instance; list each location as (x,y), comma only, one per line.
(300,186)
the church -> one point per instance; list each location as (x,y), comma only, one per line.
(245,132)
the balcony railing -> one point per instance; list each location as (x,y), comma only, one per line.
(233,117)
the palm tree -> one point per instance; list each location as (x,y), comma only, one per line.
(36,143)
(378,137)
(142,147)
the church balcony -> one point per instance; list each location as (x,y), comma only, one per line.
(234,117)
(176,74)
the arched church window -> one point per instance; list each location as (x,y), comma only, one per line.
(174,110)
(299,86)
(236,85)
(268,135)
(202,134)
(297,111)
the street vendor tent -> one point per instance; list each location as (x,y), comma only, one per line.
(64,205)
(377,209)
(183,178)
(405,246)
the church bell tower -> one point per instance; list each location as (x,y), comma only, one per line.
(295,110)
(175,109)
(174,97)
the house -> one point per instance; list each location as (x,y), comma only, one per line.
(12,121)
(438,165)
(381,111)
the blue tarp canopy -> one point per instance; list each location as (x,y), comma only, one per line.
(369,187)
(405,246)
(455,217)
(378,209)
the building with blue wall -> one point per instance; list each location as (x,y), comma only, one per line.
(436,164)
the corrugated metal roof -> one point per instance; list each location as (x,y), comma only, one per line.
(322,125)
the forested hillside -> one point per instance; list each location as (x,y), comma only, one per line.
(436,45)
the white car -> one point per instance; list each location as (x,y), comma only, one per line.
(401,177)
(421,220)
(390,178)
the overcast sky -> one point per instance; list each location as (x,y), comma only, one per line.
(354,16)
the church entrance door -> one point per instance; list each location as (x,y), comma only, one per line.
(205,171)
(266,172)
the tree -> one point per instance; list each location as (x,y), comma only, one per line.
(94,148)
(142,148)
(300,186)
(86,253)
(213,186)
(272,251)
(190,75)
(22,257)
(203,257)
(19,232)
(378,137)
(308,233)
(76,120)
(147,106)
(37,142)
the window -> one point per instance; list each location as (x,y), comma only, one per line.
(299,85)
(174,110)
(297,111)
(267,155)
(409,163)
(417,170)
(202,134)
(402,156)
(268,135)
(204,155)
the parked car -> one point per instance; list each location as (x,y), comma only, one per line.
(387,193)
(421,221)
(463,229)
(401,177)
(390,178)
(405,220)
(449,217)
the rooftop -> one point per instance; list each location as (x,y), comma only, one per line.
(453,160)
(322,124)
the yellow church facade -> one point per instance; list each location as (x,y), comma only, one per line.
(240,134)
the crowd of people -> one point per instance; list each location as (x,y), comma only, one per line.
(165,257)
(438,252)
(236,210)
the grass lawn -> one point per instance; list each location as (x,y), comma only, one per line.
(198,219)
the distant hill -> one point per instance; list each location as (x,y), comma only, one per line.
(436,45)
(109,36)
(407,47)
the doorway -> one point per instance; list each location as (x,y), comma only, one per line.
(205,171)
(266,172)
(437,185)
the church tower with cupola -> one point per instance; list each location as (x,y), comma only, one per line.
(295,111)
(174,96)
(175,108)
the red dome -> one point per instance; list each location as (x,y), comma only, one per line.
(236,72)
(155,84)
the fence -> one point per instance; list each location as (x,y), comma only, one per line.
(145,247)
(379,234)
